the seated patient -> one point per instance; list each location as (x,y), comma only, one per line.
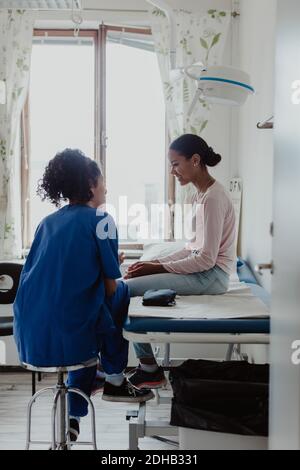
(204,265)
(69,306)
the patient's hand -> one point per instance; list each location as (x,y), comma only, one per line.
(140,263)
(135,266)
(144,269)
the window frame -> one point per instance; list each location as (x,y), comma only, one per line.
(100,135)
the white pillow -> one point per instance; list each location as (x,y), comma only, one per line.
(160,250)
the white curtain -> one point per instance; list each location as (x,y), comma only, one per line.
(201,37)
(16,31)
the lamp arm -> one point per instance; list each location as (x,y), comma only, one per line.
(198,95)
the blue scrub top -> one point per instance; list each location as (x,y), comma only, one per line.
(60,311)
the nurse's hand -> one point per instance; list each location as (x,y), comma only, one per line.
(144,269)
(110,287)
(121,257)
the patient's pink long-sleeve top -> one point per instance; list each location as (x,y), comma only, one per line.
(213,242)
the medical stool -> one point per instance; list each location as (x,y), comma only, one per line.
(60,427)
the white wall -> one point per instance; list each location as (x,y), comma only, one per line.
(255,147)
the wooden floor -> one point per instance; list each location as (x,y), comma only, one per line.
(112,427)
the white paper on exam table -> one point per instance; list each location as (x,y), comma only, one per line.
(238,302)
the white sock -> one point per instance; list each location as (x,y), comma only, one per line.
(115,379)
(149,367)
(100,374)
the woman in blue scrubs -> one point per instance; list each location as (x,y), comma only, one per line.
(69,306)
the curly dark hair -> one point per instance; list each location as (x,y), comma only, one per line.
(69,175)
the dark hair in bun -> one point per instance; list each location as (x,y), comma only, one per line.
(191,144)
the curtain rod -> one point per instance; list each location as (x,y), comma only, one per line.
(110,10)
(234,14)
(91,10)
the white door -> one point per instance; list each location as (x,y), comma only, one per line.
(285,325)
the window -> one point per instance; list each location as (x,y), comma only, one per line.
(135,155)
(69,84)
(62,99)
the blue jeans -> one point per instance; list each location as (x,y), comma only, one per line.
(212,282)
(113,350)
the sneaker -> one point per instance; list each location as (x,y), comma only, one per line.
(74,429)
(125,393)
(141,379)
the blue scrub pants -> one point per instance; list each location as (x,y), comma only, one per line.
(113,350)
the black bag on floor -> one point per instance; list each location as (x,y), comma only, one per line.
(230,397)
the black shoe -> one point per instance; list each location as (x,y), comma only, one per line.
(125,393)
(141,379)
(74,429)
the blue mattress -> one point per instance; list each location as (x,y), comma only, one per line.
(163,325)
(244,272)
(261,325)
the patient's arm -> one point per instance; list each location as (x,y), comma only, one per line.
(110,287)
(176,256)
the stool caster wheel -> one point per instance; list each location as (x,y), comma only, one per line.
(62,447)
